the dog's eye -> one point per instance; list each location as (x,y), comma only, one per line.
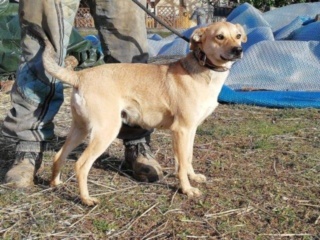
(238,36)
(220,37)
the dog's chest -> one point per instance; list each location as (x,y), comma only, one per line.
(210,93)
(206,108)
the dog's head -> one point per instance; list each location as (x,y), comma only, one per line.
(220,41)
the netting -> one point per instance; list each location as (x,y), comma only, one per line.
(281,63)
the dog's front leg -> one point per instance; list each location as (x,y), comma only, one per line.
(183,153)
(199,178)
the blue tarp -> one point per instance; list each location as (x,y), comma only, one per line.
(280,67)
(281,63)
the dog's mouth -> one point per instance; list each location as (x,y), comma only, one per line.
(231,59)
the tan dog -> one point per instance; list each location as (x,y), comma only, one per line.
(177,96)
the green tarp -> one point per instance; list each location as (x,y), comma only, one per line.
(82,49)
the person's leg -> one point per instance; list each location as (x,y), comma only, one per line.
(122,31)
(36,96)
(123,35)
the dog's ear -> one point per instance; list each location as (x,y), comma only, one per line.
(196,37)
(243,33)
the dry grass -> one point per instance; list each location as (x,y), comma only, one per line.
(263,182)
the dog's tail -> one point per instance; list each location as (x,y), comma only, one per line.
(50,64)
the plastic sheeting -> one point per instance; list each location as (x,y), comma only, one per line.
(281,63)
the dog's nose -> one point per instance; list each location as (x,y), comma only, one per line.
(237,51)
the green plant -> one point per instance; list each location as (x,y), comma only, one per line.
(104,225)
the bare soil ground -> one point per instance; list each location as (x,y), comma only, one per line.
(262,166)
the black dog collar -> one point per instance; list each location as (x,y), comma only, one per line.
(203,61)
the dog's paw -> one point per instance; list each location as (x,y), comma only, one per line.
(90,201)
(199,178)
(55,183)
(192,192)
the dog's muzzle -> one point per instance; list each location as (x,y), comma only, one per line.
(237,51)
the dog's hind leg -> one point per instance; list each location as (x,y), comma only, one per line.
(101,138)
(74,138)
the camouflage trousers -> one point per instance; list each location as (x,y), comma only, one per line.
(36,96)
